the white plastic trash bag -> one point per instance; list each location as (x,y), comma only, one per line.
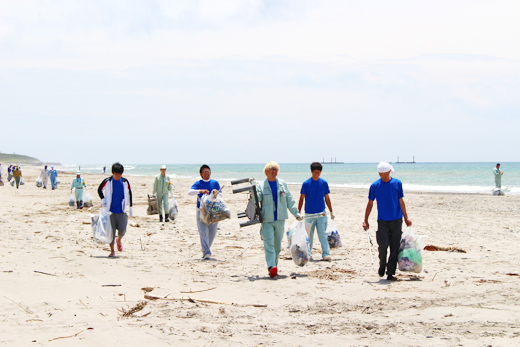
(333,235)
(213,209)
(300,245)
(101,226)
(174,208)
(39,182)
(289,231)
(21,181)
(87,199)
(410,252)
(72,200)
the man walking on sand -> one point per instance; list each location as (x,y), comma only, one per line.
(161,187)
(315,192)
(498,176)
(116,195)
(388,192)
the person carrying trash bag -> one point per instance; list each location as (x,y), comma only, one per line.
(315,192)
(161,187)
(17,174)
(45,176)
(116,196)
(276,199)
(53,174)
(207,232)
(78,184)
(388,192)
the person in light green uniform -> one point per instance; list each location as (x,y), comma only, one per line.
(498,176)
(276,199)
(78,183)
(161,187)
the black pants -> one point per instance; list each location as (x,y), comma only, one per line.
(389,234)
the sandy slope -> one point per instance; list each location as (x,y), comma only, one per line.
(461,298)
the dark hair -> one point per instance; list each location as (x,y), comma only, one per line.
(118,168)
(316,166)
(498,164)
(204,167)
(45,166)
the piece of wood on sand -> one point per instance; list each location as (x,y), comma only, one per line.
(187,298)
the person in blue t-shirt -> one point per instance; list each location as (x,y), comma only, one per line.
(116,195)
(207,232)
(315,192)
(388,192)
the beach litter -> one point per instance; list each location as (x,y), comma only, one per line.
(333,235)
(130,312)
(300,245)
(101,226)
(153,206)
(87,199)
(38,182)
(410,257)
(174,208)
(213,209)
(72,200)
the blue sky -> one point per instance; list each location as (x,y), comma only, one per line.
(252,81)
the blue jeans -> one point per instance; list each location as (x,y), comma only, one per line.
(320,223)
(272,235)
(207,234)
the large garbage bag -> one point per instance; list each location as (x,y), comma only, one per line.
(213,209)
(174,208)
(87,199)
(72,200)
(333,235)
(289,231)
(12,182)
(153,206)
(39,182)
(300,245)
(410,252)
(21,181)
(101,226)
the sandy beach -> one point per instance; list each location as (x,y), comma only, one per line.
(59,288)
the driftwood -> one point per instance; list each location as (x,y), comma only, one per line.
(45,273)
(187,298)
(440,248)
(25,309)
(74,335)
(198,291)
(110,285)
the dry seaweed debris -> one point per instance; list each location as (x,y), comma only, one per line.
(440,248)
(330,273)
(130,312)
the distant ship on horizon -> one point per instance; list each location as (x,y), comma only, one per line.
(332,162)
(405,162)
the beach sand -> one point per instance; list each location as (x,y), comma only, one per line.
(56,282)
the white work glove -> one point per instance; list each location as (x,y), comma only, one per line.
(103,203)
(131,212)
(332,216)
(300,218)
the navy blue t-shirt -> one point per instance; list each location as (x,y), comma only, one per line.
(118,194)
(274,191)
(387,195)
(200,184)
(315,192)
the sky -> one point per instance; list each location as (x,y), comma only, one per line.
(295,81)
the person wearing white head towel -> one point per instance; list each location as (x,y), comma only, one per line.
(388,192)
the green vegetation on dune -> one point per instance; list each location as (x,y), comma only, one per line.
(20,159)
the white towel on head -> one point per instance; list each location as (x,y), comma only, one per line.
(385,167)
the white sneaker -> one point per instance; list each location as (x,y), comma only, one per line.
(327,258)
(206,257)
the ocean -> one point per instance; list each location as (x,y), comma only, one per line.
(428,177)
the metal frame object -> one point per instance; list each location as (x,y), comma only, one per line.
(254,207)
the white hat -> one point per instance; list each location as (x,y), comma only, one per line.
(78,172)
(385,167)
(163,167)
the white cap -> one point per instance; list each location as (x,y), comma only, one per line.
(163,167)
(78,172)
(385,167)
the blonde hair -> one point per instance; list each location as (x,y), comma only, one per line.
(271,165)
